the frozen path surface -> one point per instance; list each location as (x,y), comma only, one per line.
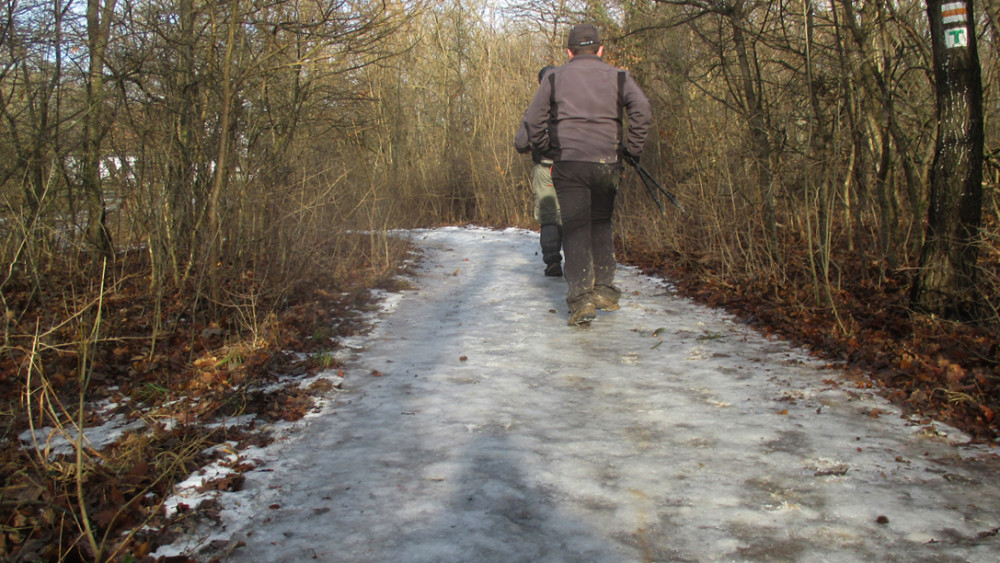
(474,425)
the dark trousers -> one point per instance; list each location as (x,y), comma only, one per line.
(586,192)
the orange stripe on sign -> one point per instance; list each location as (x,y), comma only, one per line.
(958,12)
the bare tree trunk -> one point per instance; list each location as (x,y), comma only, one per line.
(887,214)
(756,119)
(819,143)
(854,177)
(946,282)
(98,33)
(222,159)
(180,189)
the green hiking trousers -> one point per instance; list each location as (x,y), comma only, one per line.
(546,202)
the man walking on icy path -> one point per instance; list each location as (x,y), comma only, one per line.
(577,115)
(546,203)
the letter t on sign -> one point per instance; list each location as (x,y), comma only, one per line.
(956,37)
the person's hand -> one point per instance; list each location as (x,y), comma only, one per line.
(627,155)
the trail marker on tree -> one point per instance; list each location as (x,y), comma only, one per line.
(946,281)
(956,37)
(954,13)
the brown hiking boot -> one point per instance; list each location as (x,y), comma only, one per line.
(582,314)
(605,303)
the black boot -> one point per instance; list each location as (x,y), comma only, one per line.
(551,241)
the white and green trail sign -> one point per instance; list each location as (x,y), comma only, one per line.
(955,13)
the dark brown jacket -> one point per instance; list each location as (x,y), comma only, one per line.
(577,112)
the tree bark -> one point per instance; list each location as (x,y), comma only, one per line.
(221,178)
(757,120)
(946,281)
(98,33)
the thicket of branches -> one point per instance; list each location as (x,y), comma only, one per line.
(217,138)
(803,125)
(214,137)
(229,154)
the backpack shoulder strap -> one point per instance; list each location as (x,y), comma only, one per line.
(551,77)
(621,104)
(621,95)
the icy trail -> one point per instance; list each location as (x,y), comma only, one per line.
(474,425)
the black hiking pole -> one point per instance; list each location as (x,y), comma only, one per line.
(652,186)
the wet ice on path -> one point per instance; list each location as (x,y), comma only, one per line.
(664,432)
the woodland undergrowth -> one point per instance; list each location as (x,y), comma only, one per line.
(192,381)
